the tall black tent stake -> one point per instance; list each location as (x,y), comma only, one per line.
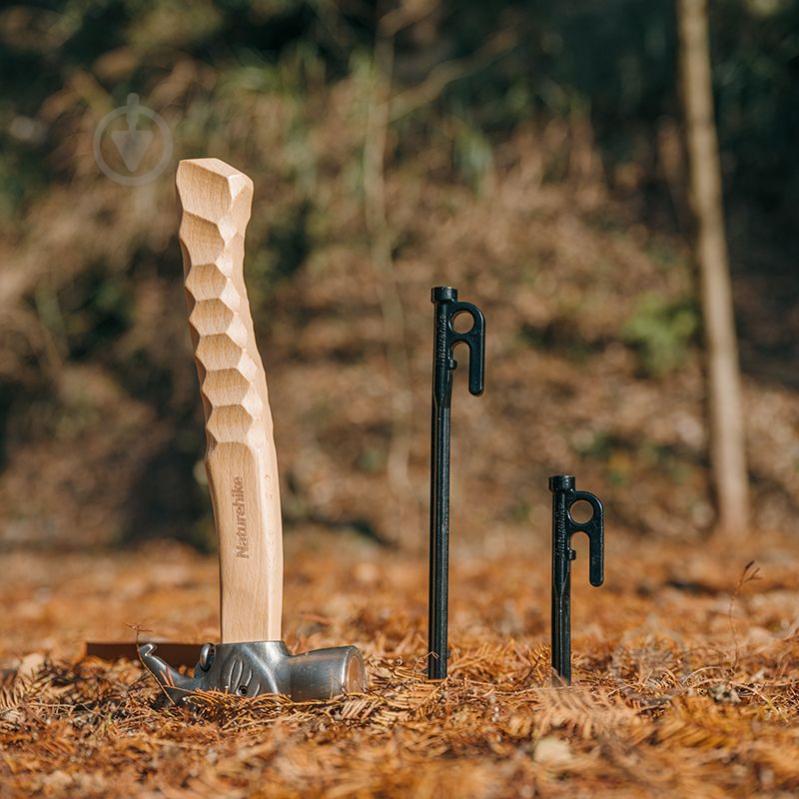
(447,308)
(564,496)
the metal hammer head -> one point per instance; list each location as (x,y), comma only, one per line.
(263,667)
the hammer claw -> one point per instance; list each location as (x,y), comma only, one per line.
(172,681)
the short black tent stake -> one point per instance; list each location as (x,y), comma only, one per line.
(564,496)
(446,337)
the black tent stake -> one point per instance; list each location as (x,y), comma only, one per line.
(564,527)
(446,337)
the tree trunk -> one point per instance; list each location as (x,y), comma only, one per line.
(725,407)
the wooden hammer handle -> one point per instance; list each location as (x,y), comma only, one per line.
(240,458)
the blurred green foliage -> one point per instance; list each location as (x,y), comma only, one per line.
(614,58)
(662,331)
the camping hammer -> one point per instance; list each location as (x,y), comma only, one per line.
(241,463)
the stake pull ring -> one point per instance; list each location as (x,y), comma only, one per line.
(566,496)
(448,308)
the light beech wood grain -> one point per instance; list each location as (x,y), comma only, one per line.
(240,458)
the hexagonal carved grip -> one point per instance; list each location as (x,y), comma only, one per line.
(240,458)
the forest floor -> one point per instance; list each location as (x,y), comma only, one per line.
(686,667)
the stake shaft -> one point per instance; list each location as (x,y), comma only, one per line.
(439,543)
(562,556)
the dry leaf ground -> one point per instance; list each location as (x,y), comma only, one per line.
(685,677)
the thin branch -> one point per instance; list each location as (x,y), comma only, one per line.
(450,71)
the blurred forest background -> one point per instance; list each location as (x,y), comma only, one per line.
(530,153)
